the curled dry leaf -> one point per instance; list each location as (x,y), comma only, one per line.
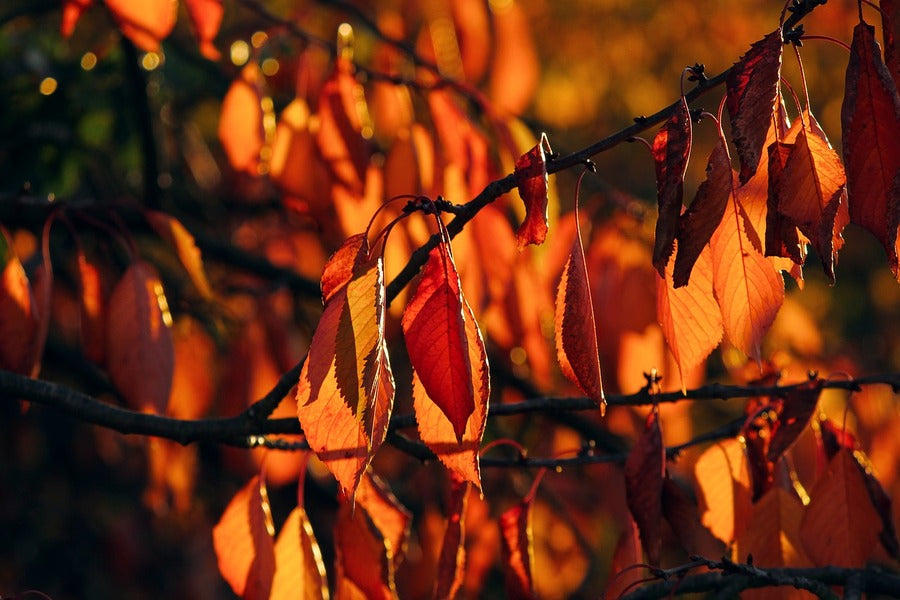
(140,353)
(671,152)
(451,568)
(724,491)
(531,178)
(753,91)
(645,470)
(206,17)
(870,119)
(243,542)
(518,549)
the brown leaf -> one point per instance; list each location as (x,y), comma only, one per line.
(671,152)
(753,86)
(645,470)
(724,490)
(531,178)
(451,568)
(518,550)
(139,350)
(870,119)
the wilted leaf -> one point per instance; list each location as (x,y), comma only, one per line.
(671,152)
(170,229)
(645,470)
(840,526)
(870,119)
(518,550)
(243,542)
(241,129)
(140,353)
(752,85)
(723,489)
(206,17)
(144,22)
(299,570)
(531,178)
(452,560)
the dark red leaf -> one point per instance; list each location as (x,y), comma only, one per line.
(671,152)
(782,236)
(531,177)
(518,552)
(452,560)
(794,412)
(645,471)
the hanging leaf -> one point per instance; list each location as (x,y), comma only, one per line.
(840,526)
(140,353)
(206,17)
(518,549)
(71,12)
(93,310)
(752,96)
(794,412)
(576,340)
(782,238)
(299,571)
(870,119)
(243,542)
(671,153)
(390,517)
(451,568)
(145,22)
(724,491)
(18,318)
(531,178)
(170,229)
(689,316)
(241,122)
(628,553)
(645,470)
(700,220)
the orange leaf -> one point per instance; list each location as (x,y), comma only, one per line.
(451,568)
(700,220)
(748,288)
(170,229)
(194,377)
(71,12)
(531,178)
(645,470)
(753,86)
(241,129)
(18,318)
(671,152)
(515,69)
(296,166)
(576,339)
(434,326)
(518,550)
(144,22)
(724,490)
(870,119)
(206,17)
(689,316)
(840,526)
(139,349)
(93,307)
(390,517)
(299,570)
(243,542)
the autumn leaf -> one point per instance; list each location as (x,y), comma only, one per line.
(170,229)
(689,316)
(531,178)
(782,238)
(299,570)
(296,166)
(518,550)
(890,21)
(390,517)
(645,469)
(71,12)
(697,224)
(671,152)
(206,17)
(93,310)
(628,553)
(18,318)
(752,94)
(724,491)
(794,412)
(870,119)
(515,69)
(139,347)
(243,542)
(840,526)
(145,22)
(241,122)
(576,340)
(452,559)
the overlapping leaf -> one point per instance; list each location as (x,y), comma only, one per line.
(452,559)
(645,471)
(724,489)
(531,178)
(870,119)
(671,152)
(794,412)
(752,85)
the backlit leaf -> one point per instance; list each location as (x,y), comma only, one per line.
(870,119)
(723,489)
(170,229)
(518,550)
(515,70)
(18,318)
(241,128)
(139,348)
(645,470)
(753,84)
(93,309)
(628,553)
(71,12)
(671,152)
(452,560)
(299,570)
(243,542)
(531,178)
(391,518)
(144,22)
(206,17)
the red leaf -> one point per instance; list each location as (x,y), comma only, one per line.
(206,17)
(531,178)
(452,560)
(645,470)
(671,152)
(794,412)
(773,533)
(434,326)
(782,238)
(753,84)
(18,318)
(576,340)
(140,352)
(870,119)
(518,551)
(700,220)
(243,542)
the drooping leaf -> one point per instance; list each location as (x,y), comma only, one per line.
(645,470)
(531,178)
(196,364)
(753,89)
(747,287)
(93,309)
(241,128)
(434,327)
(170,229)
(206,17)
(299,570)
(576,341)
(243,540)
(18,318)
(794,412)
(139,348)
(518,549)
(391,518)
(689,316)
(724,489)
(840,526)
(452,559)
(628,553)
(697,224)
(338,270)
(782,237)
(144,22)
(296,166)
(671,152)
(463,146)
(870,119)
